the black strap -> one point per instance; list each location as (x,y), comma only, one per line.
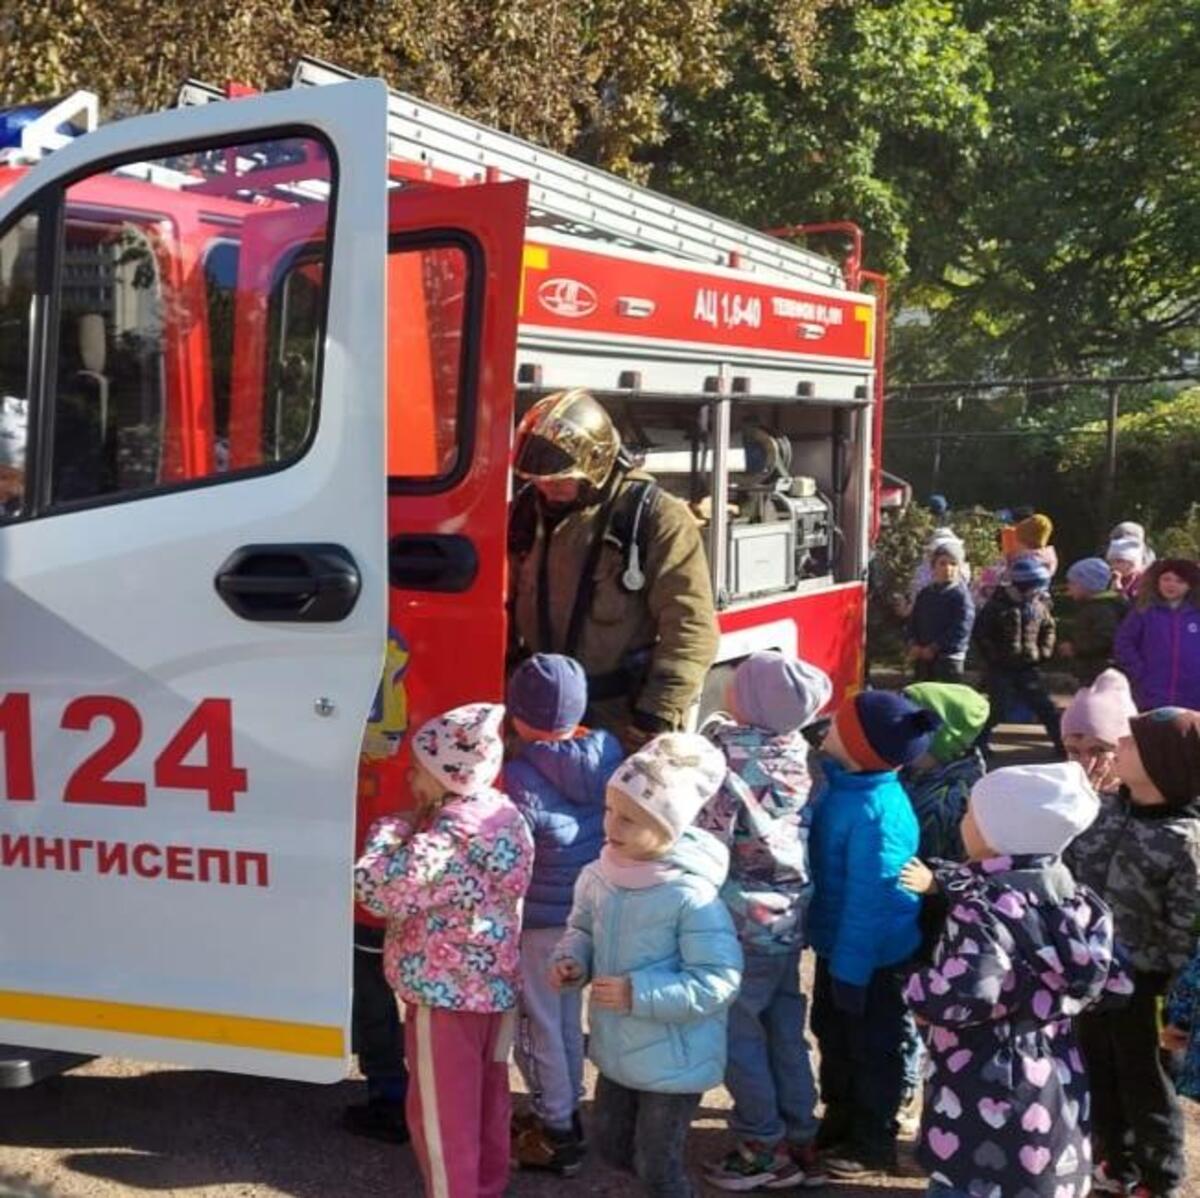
(583,595)
(587,581)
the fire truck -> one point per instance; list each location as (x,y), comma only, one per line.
(260,364)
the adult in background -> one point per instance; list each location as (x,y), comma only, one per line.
(606,567)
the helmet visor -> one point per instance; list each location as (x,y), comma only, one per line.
(538,458)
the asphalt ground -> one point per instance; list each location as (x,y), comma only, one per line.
(117,1127)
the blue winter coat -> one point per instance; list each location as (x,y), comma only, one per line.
(558,786)
(943,615)
(677,944)
(863,831)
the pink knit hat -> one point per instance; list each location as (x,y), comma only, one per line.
(463,748)
(1102,710)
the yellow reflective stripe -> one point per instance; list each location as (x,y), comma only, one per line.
(168,1023)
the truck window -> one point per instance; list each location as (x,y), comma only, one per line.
(220,285)
(294,322)
(18,253)
(428,302)
(167,345)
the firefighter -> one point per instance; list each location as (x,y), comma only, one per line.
(606,567)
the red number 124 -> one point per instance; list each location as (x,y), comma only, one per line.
(209,728)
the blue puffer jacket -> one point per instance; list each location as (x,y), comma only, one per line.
(863,831)
(558,786)
(676,942)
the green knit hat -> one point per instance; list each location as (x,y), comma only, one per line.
(964,712)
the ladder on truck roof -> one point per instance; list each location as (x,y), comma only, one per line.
(574,198)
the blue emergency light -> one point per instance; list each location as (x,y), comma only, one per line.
(61,118)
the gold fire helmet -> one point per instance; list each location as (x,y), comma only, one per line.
(566,435)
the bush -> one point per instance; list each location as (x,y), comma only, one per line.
(1158,462)
(1182,539)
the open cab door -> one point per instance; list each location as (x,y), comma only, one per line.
(193,580)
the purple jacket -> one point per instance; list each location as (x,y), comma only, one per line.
(1159,648)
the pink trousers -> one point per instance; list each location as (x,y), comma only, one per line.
(458,1106)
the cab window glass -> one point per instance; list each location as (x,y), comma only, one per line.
(170,277)
(220,284)
(427,314)
(18,256)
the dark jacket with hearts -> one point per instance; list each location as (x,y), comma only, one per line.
(1022,951)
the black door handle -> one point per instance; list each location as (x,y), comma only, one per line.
(432,562)
(290,583)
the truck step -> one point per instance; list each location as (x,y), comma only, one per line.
(20,1067)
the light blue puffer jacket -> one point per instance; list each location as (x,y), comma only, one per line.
(677,943)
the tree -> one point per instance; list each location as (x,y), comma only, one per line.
(590,76)
(1027,171)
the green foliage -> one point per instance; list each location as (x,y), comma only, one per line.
(976,528)
(593,76)
(1025,169)
(1158,459)
(1182,539)
(901,546)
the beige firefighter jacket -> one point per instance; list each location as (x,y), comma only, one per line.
(671,618)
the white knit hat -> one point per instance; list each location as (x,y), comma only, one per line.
(671,779)
(1033,808)
(463,748)
(1126,549)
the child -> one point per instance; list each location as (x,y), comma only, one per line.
(557,779)
(1022,951)
(649,930)
(1014,635)
(1182,1032)
(1094,723)
(1132,531)
(863,925)
(1031,539)
(1158,645)
(942,617)
(940,780)
(1097,618)
(1143,858)
(940,538)
(449,878)
(1127,556)
(761,813)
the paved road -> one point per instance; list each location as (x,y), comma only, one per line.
(124,1128)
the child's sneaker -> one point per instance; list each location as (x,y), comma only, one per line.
(811,1165)
(853,1164)
(535,1146)
(753,1165)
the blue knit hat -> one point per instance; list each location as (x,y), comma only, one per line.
(939,505)
(1029,574)
(548,692)
(881,730)
(1093,574)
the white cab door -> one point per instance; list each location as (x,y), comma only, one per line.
(192,578)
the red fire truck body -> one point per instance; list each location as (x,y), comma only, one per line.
(239,439)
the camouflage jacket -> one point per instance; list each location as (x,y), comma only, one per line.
(1145,863)
(670,623)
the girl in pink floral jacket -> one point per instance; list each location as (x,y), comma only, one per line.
(449,878)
